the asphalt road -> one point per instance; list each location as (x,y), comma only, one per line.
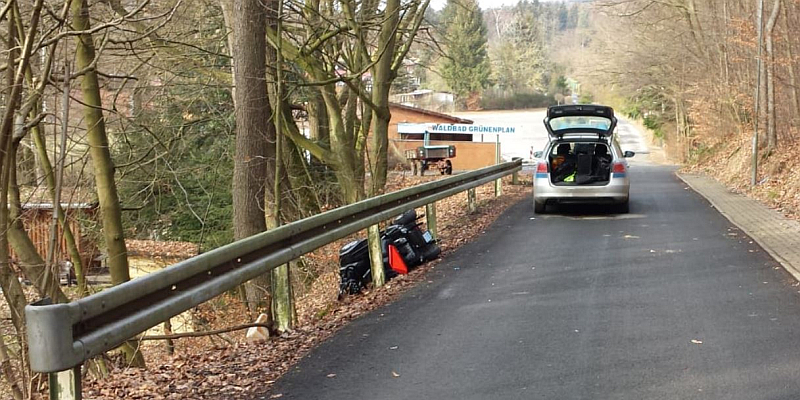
(667,302)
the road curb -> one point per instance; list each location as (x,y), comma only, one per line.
(787,256)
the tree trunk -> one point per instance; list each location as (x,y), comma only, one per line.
(382,78)
(354,158)
(725,44)
(285,169)
(7,370)
(103,165)
(762,73)
(300,197)
(792,75)
(228,18)
(47,168)
(282,299)
(69,237)
(318,119)
(46,281)
(316,108)
(12,290)
(361,137)
(758,95)
(342,148)
(683,128)
(168,332)
(42,160)
(772,134)
(253,114)
(384,73)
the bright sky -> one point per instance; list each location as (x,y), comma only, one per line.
(439,4)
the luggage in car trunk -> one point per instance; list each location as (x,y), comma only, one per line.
(583,173)
(589,165)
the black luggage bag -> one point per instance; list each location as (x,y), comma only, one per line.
(405,234)
(422,243)
(354,267)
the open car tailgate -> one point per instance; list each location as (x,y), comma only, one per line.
(580,120)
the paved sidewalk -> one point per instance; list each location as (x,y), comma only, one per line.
(778,235)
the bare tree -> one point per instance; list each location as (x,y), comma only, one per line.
(254,133)
(772,134)
(656,50)
(103,165)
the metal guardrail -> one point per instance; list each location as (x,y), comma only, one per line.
(63,336)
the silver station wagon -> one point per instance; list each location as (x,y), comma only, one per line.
(582,162)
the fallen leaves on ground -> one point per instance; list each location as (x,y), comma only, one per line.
(779,174)
(161,249)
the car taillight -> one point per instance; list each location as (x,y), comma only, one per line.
(541,168)
(619,168)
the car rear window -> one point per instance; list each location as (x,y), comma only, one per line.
(580,122)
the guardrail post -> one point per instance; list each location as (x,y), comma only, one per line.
(66,385)
(472,206)
(515,175)
(376,256)
(282,298)
(430,213)
(498,184)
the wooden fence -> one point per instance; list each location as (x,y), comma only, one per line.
(38,220)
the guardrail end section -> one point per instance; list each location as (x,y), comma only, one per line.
(51,346)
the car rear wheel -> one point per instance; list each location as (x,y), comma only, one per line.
(539,208)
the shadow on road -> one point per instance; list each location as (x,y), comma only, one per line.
(584,210)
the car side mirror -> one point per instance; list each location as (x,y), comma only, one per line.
(537,154)
(628,154)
